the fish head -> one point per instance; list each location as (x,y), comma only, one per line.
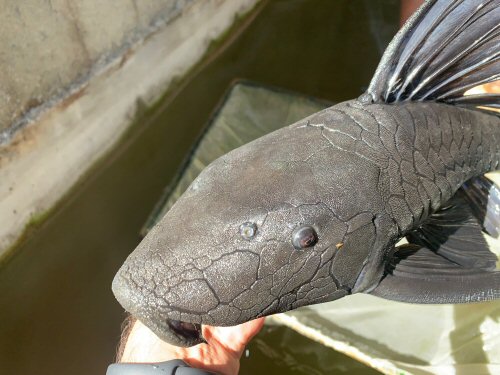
(256,233)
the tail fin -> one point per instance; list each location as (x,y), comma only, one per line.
(446,48)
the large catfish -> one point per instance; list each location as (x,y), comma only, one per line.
(312,212)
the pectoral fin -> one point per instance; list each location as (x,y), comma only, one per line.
(455,233)
(483,196)
(447,261)
(419,275)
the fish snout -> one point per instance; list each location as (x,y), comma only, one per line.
(174,301)
(146,302)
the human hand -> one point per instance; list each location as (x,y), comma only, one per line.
(221,354)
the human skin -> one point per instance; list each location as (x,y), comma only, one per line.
(221,353)
(408,7)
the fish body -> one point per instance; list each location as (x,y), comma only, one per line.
(312,212)
(421,153)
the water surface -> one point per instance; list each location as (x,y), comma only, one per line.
(57,312)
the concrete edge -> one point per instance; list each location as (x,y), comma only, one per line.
(45,159)
(379,364)
(103,62)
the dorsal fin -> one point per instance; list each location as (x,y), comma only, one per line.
(446,48)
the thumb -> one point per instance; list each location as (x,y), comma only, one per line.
(237,337)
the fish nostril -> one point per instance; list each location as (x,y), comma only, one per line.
(248,230)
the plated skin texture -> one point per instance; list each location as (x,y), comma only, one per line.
(312,212)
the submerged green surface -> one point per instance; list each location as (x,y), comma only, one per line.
(57,312)
(280,350)
(248,111)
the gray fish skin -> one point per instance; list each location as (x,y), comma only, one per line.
(363,175)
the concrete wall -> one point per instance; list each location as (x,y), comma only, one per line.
(48,47)
(72,73)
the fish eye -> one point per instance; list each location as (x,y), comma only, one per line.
(248,230)
(303,237)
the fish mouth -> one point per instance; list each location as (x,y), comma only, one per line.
(169,329)
(188,334)
(172,331)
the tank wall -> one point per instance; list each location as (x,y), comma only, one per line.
(73,76)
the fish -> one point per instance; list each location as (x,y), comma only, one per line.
(315,211)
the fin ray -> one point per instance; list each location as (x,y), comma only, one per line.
(448,64)
(490,100)
(483,196)
(455,234)
(445,49)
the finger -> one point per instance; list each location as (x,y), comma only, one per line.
(234,338)
(492,87)
(251,328)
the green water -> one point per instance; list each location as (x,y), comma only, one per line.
(57,313)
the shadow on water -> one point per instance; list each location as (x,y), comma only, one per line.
(57,313)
